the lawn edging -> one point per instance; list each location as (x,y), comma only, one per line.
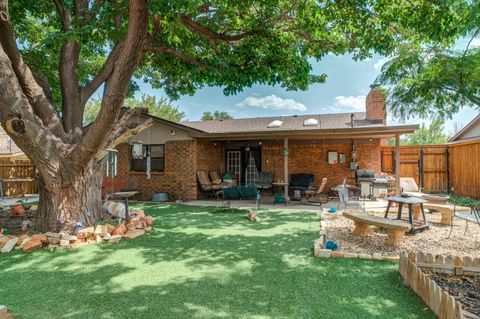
(437,299)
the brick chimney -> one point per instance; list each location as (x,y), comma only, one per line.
(375,105)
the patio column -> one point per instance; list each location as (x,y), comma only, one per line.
(285,166)
(397,162)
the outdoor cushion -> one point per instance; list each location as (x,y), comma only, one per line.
(216,181)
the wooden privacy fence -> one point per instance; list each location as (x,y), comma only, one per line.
(17,168)
(453,167)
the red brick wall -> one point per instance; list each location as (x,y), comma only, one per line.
(306,157)
(178,179)
(184,158)
(375,105)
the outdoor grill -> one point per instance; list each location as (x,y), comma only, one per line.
(370,186)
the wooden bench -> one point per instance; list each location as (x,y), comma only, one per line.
(446,210)
(396,228)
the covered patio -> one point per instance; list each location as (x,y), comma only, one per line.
(335,154)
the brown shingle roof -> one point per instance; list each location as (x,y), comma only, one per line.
(294,123)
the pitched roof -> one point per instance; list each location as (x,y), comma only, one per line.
(289,123)
(468,127)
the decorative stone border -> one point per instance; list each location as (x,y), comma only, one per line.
(438,300)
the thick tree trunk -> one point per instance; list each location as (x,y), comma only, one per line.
(76,200)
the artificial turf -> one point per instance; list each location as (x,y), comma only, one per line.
(201,262)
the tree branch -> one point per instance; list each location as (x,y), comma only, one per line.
(212,35)
(180,55)
(104,74)
(117,84)
(37,96)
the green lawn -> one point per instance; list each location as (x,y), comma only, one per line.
(200,262)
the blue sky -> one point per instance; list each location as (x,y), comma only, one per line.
(347,84)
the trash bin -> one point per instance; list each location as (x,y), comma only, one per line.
(279,198)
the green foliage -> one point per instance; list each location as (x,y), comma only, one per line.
(241,43)
(217,115)
(202,262)
(463,201)
(432,134)
(432,82)
(156,107)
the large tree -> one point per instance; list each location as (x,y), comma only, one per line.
(54,54)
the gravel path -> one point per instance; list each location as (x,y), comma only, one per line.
(433,240)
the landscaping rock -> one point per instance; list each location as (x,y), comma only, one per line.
(53,235)
(148,228)
(337,254)
(32,244)
(69,238)
(364,256)
(149,220)
(101,230)
(114,239)
(40,237)
(350,255)
(110,228)
(9,245)
(86,232)
(134,233)
(131,225)
(64,242)
(4,240)
(98,239)
(377,256)
(120,229)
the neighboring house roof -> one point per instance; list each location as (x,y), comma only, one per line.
(471,130)
(289,123)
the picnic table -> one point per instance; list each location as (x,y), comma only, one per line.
(410,201)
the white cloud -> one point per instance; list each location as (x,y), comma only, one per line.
(346,103)
(378,65)
(273,102)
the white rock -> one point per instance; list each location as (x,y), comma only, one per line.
(325,253)
(9,245)
(377,256)
(350,255)
(3,310)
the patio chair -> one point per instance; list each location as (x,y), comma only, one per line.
(215,178)
(473,217)
(316,197)
(344,197)
(265,180)
(206,185)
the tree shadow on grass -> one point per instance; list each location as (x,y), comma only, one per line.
(207,269)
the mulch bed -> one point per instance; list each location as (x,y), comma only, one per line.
(465,289)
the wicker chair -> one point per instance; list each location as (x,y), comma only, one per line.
(265,180)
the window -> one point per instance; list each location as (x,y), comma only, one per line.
(233,163)
(157,159)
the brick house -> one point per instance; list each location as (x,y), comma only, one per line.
(280,145)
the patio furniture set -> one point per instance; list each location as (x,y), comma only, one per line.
(416,202)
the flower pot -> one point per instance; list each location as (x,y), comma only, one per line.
(17,210)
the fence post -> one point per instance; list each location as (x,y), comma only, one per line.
(420,170)
(447,161)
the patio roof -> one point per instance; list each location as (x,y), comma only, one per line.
(340,125)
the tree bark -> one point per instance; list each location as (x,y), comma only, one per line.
(77,199)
